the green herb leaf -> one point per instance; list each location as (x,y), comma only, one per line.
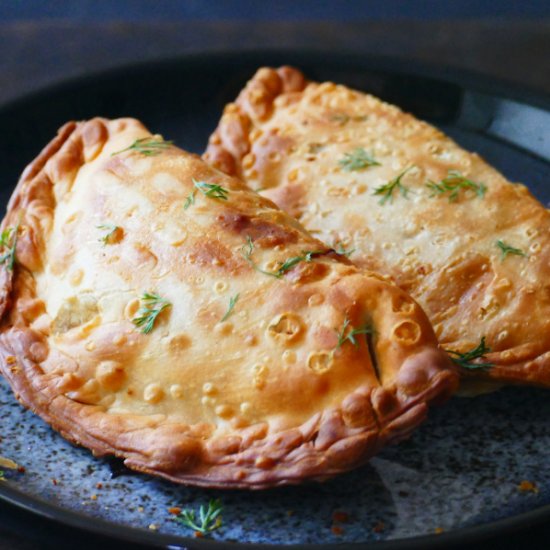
(210,190)
(8,243)
(357,160)
(151,307)
(464,360)
(387,190)
(209,518)
(349,335)
(307,256)
(148,146)
(2,478)
(506,249)
(232,302)
(452,185)
(111,230)
(247,251)
(341,251)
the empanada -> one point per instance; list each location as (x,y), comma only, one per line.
(401,198)
(156,309)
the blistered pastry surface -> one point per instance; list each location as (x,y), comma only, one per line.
(290,139)
(261,396)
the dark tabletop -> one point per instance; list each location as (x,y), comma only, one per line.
(38,53)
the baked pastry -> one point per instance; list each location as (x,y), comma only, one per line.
(402,199)
(156,309)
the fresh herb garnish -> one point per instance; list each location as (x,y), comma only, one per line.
(209,518)
(232,302)
(452,185)
(111,230)
(2,478)
(8,242)
(247,251)
(387,190)
(357,160)
(307,256)
(506,249)
(152,306)
(464,359)
(341,251)
(345,335)
(148,146)
(211,190)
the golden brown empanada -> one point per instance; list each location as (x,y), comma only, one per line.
(157,309)
(401,198)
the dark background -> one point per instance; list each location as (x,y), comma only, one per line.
(45,41)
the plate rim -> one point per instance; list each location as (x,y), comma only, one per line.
(466,79)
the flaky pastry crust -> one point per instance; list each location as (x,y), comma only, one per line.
(296,140)
(277,390)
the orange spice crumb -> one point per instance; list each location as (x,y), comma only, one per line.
(93,497)
(198,535)
(174,510)
(340,517)
(379,527)
(336,530)
(54,481)
(99,485)
(438,530)
(528,487)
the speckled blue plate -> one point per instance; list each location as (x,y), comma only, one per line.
(461,474)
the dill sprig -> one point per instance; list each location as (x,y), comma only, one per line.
(341,251)
(349,335)
(208,518)
(307,256)
(506,249)
(210,190)
(387,190)
(452,185)
(111,230)
(465,359)
(151,307)
(232,302)
(247,251)
(357,160)
(8,242)
(148,146)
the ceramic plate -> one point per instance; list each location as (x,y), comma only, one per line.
(477,465)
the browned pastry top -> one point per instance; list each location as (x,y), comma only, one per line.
(282,386)
(358,173)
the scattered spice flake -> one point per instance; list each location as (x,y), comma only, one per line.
(174,510)
(153,527)
(99,485)
(379,527)
(340,517)
(290,513)
(337,530)
(438,530)
(528,487)
(93,497)
(198,535)
(54,481)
